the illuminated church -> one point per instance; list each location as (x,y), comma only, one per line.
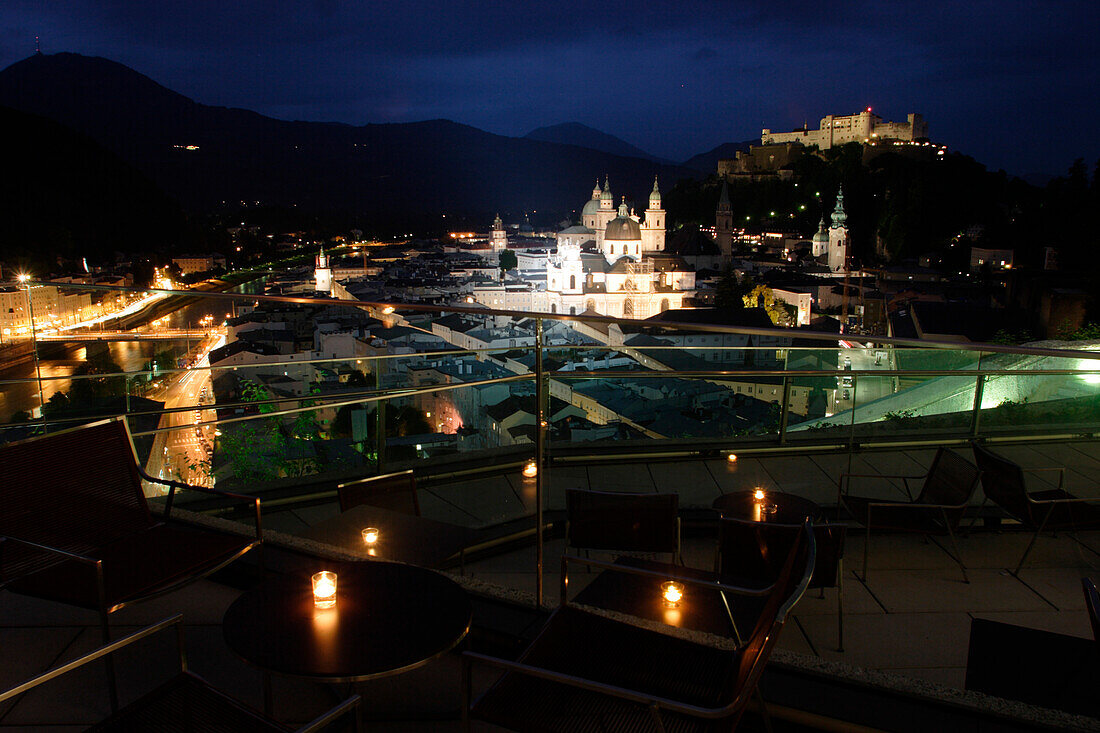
(614,262)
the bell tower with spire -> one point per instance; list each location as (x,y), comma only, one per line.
(723,222)
(653,228)
(322,273)
(838,234)
(607,210)
(498,237)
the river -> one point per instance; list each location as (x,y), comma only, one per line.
(58,360)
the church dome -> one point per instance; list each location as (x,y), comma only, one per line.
(591,206)
(622,228)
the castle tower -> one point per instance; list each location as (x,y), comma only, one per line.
(723,222)
(322,273)
(653,228)
(838,234)
(498,238)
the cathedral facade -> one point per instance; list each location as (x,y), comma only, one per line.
(614,263)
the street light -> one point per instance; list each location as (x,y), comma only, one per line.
(25,279)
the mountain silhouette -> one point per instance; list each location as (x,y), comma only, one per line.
(574,133)
(210,157)
(64,196)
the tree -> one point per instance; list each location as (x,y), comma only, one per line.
(508,260)
(777,310)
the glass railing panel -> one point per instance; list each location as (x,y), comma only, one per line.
(1041,403)
(910,406)
(665,407)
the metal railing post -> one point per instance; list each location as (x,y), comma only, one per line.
(540,454)
(979,389)
(34,350)
(380,421)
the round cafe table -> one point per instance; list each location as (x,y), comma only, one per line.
(388,618)
(789,508)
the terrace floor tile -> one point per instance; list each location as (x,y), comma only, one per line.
(915,591)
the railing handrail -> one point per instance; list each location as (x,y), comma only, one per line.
(783,333)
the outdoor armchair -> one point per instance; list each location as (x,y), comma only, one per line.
(751,554)
(185,702)
(393,491)
(945,493)
(1092,604)
(587,671)
(620,522)
(75,526)
(1050,509)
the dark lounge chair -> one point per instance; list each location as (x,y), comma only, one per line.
(751,555)
(184,703)
(393,491)
(1052,509)
(588,672)
(619,522)
(1092,604)
(937,510)
(75,526)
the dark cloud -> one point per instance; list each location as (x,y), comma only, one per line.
(672,78)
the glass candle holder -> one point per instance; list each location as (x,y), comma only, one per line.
(671,593)
(371,535)
(324,589)
(530,470)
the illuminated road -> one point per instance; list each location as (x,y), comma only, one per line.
(183,454)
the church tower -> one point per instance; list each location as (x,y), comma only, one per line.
(607,210)
(589,213)
(821,239)
(322,273)
(723,222)
(838,234)
(498,238)
(653,228)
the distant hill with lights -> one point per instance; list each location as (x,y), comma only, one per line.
(63,195)
(211,157)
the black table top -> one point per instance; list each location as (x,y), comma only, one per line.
(701,609)
(388,618)
(404,537)
(790,509)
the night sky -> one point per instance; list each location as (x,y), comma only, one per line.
(1015,84)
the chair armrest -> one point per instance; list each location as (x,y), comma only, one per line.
(92,656)
(55,550)
(1060,469)
(914,505)
(173,485)
(1073,500)
(661,703)
(708,584)
(905,478)
(325,719)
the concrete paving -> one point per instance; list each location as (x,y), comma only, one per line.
(911,617)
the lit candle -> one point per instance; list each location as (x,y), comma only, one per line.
(732,458)
(672,592)
(324,589)
(757,505)
(370,535)
(530,470)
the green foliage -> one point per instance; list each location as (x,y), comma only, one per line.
(1010,338)
(730,293)
(899,416)
(762,296)
(1087,332)
(508,260)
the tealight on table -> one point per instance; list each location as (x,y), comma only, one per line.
(388,618)
(789,508)
(402,537)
